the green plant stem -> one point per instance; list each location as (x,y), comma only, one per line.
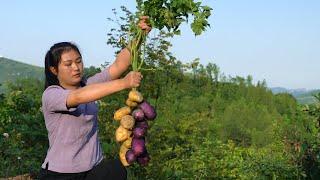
(150,69)
(144,36)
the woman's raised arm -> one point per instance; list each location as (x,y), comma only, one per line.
(97,91)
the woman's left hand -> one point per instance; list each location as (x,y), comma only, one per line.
(143,24)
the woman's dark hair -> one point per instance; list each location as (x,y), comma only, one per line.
(53,58)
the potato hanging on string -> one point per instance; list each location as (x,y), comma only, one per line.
(138,114)
(127,143)
(127,122)
(130,157)
(148,110)
(135,96)
(122,134)
(121,112)
(131,104)
(122,155)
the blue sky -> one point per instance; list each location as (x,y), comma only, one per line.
(275,40)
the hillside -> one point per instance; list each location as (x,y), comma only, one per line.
(302,95)
(307,97)
(10,70)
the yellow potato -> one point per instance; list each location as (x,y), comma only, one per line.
(121,112)
(127,143)
(122,155)
(127,122)
(122,134)
(123,148)
(131,103)
(135,96)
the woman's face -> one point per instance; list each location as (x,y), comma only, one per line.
(70,69)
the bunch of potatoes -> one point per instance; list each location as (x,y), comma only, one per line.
(133,129)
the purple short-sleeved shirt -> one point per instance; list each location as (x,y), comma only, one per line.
(72,132)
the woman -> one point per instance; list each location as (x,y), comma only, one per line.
(70,113)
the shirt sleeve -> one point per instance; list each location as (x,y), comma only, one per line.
(55,99)
(100,77)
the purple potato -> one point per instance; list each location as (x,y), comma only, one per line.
(138,146)
(143,124)
(143,159)
(130,157)
(138,115)
(139,132)
(148,110)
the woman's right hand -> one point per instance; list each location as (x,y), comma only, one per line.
(132,79)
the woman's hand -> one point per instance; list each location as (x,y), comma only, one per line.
(143,24)
(132,79)
(123,59)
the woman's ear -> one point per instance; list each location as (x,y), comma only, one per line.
(53,70)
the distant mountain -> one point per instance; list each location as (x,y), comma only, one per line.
(277,90)
(302,95)
(10,70)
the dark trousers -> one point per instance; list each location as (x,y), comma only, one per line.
(106,169)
